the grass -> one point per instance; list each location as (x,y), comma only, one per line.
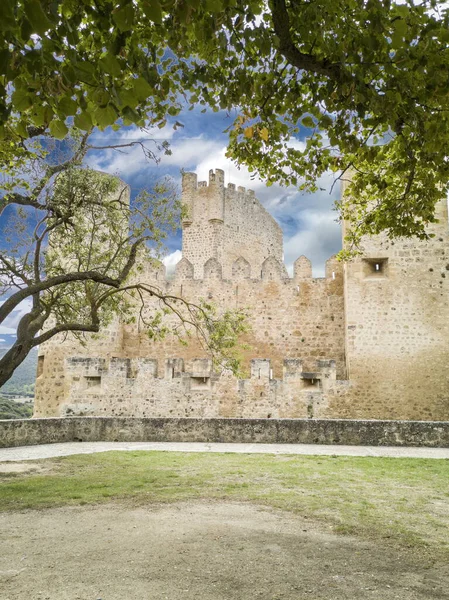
(404,500)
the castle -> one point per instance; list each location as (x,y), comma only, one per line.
(370,340)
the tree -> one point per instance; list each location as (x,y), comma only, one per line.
(368,80)
(74,245)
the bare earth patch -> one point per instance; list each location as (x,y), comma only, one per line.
(19,467)
(200,551)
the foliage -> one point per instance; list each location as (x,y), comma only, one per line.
(367,79)
(74,248)
(9,409)
(397,499)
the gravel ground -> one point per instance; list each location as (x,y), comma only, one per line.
(200,551)
(66,449)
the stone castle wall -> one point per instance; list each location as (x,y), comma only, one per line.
(369,340)
(289,318)
(397,326)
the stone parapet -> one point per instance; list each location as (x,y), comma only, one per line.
(29,432)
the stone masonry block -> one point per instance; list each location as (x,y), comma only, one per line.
(260,368)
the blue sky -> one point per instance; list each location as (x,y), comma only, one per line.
(308,220)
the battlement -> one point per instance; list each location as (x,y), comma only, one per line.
(92,372)
(123,386)
(216,180)
(270,270)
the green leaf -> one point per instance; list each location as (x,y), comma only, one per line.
(58,129)
(7,20)
(4,60)
(105,116)
(142,89)
(83,121)
(153,11)
(37,17)
(307,122)
(127,98)
(110,64)
(130,114)
(42,115)
(21,129)
(85,71)
(124,17)
(67,106)
(21,100)
(399,32)
(26,29)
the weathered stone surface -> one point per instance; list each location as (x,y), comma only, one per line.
(370,340)
(269,431)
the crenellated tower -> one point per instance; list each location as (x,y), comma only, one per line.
(225,225)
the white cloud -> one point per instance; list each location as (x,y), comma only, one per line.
(9,325)
(190,152)
(318,238)
(171,260)
(7,330)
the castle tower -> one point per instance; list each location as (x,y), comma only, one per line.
(397,325)
(226,226)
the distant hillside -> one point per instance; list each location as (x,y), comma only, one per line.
(22,382)
(9,409)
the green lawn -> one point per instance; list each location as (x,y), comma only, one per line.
(405,500)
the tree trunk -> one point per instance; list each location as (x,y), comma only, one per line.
(28,326)
(13,358)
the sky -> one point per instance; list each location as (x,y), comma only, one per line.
(308,221)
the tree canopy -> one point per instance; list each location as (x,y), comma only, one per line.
(74,247)
(366,80)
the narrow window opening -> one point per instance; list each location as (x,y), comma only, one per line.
(375,268)
(309,380)
(40,365)
(333,274)
(93,381)
(173,372)
(200,383)
(271,373)
(259,373)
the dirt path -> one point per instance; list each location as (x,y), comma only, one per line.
(199,551)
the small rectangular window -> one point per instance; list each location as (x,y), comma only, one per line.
(310,380)
(200,383)
(93,381)
(375,268)
(40,365)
